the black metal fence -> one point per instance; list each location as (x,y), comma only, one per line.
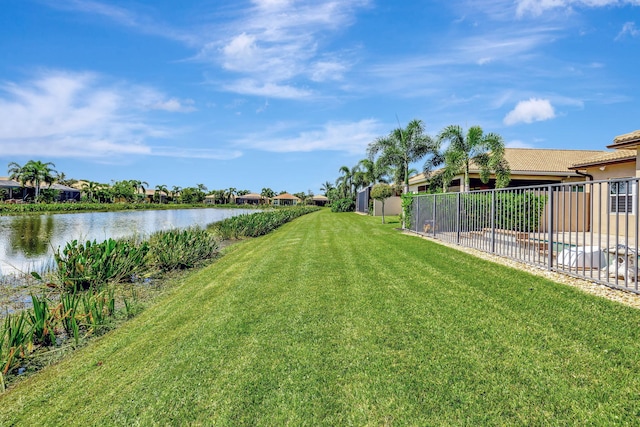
(584,229)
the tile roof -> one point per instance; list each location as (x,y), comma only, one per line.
(285,196)
(251,196)
(627,137)
(537,161)
(608,157)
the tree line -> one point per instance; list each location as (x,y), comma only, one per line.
(447,155)
(40,176)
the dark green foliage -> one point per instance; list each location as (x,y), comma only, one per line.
(68,314)
(82,266)
(16,338)
(258,224)
(180,249)
(343,205)
(518,211)
(87,207)
(42,322)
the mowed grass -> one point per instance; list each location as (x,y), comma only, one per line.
(335,319)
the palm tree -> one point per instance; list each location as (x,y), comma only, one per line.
(90,188)
(486,151)
(175,192)
(326,187)
(157,195)
(345,181)
(374,172)
(35,172)
(230,194)
(403,147)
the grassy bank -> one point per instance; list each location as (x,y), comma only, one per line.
(40,208)
(335,319)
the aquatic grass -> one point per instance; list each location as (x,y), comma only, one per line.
(86,265)
(39,208)
(99,309)
(258,224)
(17,340)
(68,312)
(42,321)
(181,249)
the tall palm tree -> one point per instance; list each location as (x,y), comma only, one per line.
(90,188)
(157,195)
(175,192)
(345,182)
(374,171)
(485,151)
(403,147)
(34,172)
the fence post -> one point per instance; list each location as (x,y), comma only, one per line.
(550,226)
(416,199)
(435,205)
(458,219)
(493,221)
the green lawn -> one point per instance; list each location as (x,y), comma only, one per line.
(335,319)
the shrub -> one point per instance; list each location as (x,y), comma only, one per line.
(343,205)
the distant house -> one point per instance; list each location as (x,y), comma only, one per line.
(251,199)
(65,193)
(15,190)
(320,200)
(529,166)
(285,199)
(210,199)
(10,189)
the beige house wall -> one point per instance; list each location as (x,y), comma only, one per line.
(571,212)
(392,206)
(604,222)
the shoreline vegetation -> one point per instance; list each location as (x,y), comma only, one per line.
(336,319)
(99,285)
(80,207)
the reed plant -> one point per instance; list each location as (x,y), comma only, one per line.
(99,308)
(42,321)
(68,312)
(17,339)
(87,265)
(181,249)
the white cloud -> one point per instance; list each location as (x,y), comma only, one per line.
(538,7)
(533,110)
(79,115)
(271,90)
(628,29)
(518,144)
(350,137)
(174,105)
(277,44)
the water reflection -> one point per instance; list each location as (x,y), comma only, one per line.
(27,243)
(31,234)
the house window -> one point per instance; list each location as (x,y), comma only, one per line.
(622,196)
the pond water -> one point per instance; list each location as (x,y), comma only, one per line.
(27,242)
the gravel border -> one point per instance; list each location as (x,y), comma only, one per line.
(623,297)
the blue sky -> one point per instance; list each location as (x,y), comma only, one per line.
(282,93)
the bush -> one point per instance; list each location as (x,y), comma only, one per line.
(343,205)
